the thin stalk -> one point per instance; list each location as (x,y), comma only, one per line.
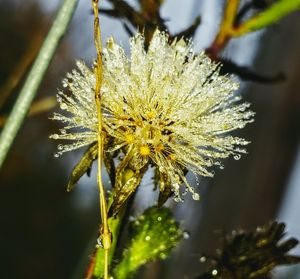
(105,234)
(227,23)
(35,77)
(271,15)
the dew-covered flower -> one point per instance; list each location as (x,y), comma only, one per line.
(166,107)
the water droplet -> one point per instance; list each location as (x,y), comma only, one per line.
(237,157)
(186,235)
(55,136)
(196,196)
(148,237)
(202,259)
(159,218)
(99,242)
(63,106)
(131,218)
(60,147)
(176,186)
(214,272)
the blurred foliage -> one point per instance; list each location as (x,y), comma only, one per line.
(267,17)
(252,254)
(154,235)
(147,18)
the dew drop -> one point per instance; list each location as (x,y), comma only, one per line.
(148,237)
(186,235)
(63,106)
(237,157)
(202,259)
(159,218)
(196,196)
(131,218)
(99,242)
(177,199)
(214,272)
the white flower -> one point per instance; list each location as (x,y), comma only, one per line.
(166,106)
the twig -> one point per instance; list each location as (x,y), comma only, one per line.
(35,77)
(224,33)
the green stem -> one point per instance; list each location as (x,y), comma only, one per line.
(271,15)
(114,225)
(35,77)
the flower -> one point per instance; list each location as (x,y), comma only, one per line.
(166,107)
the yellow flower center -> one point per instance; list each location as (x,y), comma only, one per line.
(145,150)
(129,138)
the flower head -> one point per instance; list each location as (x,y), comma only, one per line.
(166,106)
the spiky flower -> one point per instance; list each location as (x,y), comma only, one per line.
(166,106)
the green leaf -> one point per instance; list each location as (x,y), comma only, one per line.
(35,77)
(127,181)
(155,234)
(273,14)
(83,166)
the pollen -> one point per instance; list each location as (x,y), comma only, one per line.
(145,150)
(129,138)
(150,114)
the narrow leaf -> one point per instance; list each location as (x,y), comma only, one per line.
(83,166)
(269,16)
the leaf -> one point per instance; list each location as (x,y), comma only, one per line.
(269,16)
(155,233)
(252,254)
(83,166)
(165,191)
(127,181)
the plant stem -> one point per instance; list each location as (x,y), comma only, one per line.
(267,17)
(105,234)
(35,77)
(226,26)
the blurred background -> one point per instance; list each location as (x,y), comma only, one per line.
(46,232)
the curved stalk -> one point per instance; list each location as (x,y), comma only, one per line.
(105,234)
